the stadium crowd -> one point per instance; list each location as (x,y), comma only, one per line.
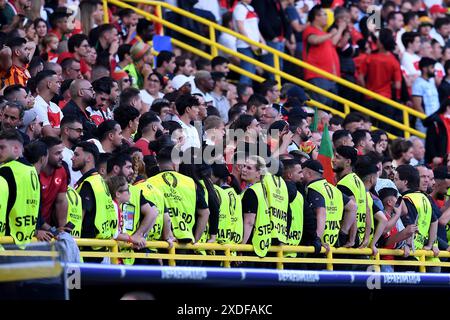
(103,138)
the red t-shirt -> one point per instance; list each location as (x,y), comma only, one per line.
(51,186)
(380,71)
(142,144)
(446,122)
(323,56)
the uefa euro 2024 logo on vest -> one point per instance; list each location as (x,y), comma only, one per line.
(374,18)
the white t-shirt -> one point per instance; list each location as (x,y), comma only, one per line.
(211,6)
(147,97)
(49,113)
(410,64)
(191,134)
(74,175)
(229,41)
(247,14)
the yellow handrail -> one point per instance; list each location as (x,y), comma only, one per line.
(228,257)
(278,54)
(286,76)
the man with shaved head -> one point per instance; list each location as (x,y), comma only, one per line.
(83,96)
(204,84)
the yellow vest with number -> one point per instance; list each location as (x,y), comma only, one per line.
(278,200)
(262,229)
(74,211)
(180,198)
(424,212)
(105,215)
(334,207)
(296,230)
(22,218)
(356,186)
(155,196)
(234,204)
(4,191)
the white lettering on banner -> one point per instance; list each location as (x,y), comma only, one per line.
(184,274)
(73,278)
(289,276)
(401,278)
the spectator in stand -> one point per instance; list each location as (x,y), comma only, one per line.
(411,22)
(271,91)
(353,121)
(21,56)
(128,119)
(78,45)
(15,7)
(188,110)
(91,12)
(227,39)
(149,129)
(395,22)
(106,44)
(220,64)
(41,28)
(441,30)
(425,97)
(71,133)
(153,85)
(12,117)
(204,84)
(58,21)
(402,152)
(246,22)
(49,113)
(16,93)
(379,71)
(165,64)
(274,28)
(342,138)
(162,109)
(363,141)
(101,111)
(141,66)
(410,59)
(256,106)
(109,134)
(418,151)
(437,140)
(220,101)
(130,97)
(123,53)
(50,45)
(444,87)
(83,96)
(144,31)
(127,24)
(183,66)
(54,181)
(244,91)
(71,69)
(31,125)
(320,51)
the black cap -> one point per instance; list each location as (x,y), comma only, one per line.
(313,165)
(441,173)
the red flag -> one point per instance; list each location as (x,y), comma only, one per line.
(325,156)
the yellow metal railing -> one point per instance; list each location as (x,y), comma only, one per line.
(211,41)
(276,255)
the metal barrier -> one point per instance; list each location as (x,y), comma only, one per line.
(276,256)
(211,41)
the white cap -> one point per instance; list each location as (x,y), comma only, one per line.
(180,80)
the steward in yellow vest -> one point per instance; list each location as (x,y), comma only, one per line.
(22,198)
(183,200)
(334,212)
(99,217)
(257,223)
(351,185)
(367,170)
(417,210)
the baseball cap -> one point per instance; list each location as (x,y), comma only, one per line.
(436,8)
(441,173)
(28,117)
(180,80)
(313,165)
(426,21)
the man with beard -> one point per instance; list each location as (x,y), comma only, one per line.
(299,127)
(352,186)
(53,179)
(101,111)
(48,85)
(109,133)
(139,214)
(149,129)
(18,73)
(257,105)
(83,96)
(71,133)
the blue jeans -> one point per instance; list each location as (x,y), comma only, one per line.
(247,65)
(326,85)
(268,58)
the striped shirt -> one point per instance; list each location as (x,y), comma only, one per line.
(17,75)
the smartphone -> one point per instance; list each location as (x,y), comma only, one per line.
(69,225)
